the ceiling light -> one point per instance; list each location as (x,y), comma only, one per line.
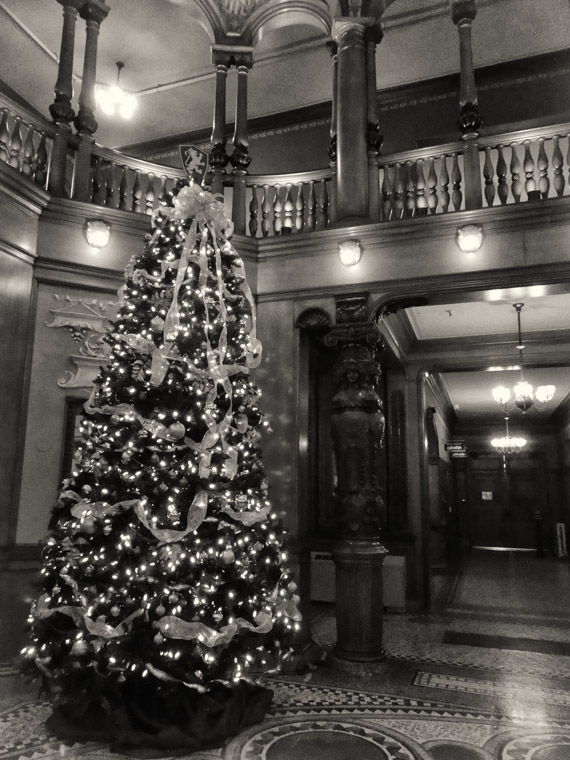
(97,232)
(350,252)
(508,444)
(115,99)
(523,394)
(469,237)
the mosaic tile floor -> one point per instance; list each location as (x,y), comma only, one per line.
(429,700)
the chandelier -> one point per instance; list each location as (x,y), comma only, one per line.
(508,444)
(523,394)
(114,98)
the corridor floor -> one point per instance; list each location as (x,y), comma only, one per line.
(486,679)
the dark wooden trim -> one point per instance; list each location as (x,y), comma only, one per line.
(400,96)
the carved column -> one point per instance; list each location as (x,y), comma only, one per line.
(358,431)
(374,139)
(333,50)
(94,12)
(240,158)
(221,59)
(463,13)
(61,109)
(351,108)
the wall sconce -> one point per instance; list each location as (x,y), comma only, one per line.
(350,252)
(97,232)
(469,238)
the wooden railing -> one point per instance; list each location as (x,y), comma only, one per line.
(129,184)
(26,142)
(281,205)
(515,167)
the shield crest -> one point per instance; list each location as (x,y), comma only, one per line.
(195,162)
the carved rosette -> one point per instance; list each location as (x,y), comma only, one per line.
(357,423)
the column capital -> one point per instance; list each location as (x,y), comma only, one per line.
(350,25)
(463,11)
(238,56)
(373,34)
(332,47)
(94,10)
(72,4)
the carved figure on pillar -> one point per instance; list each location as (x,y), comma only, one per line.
(358,431)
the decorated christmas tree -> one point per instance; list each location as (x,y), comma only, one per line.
(163,581)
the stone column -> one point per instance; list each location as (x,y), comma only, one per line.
(358,430)
(94,12)
(463,13)
(61,109)
(221,59)
(333,50)
(240,158)
(351,108)
(374,139)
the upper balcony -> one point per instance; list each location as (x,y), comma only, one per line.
(513,168)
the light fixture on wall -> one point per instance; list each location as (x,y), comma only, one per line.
(114,98)
(523,394)
(97,232)
(350,252)
(508,444)
(469,238)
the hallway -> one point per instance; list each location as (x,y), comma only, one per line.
(486,679)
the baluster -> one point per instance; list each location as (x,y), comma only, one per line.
(265,212)
(398,191)
(136,193)
(432,187)
(98,196)
(323,207)
(288,211)
(558,163)
(299,209)
(40,162)
(489,174)
(253,212)
(150,196)
(528,167)
(568,160)
(4,136)
(503,189)
(542,166)
(28,152)
(410,191)
(15,144)
(456,194)
(387,194)
(421,204)
(277,211)
(124,190)
(444,184)
(311,207)
(111,185)
(515,168)
(163,194)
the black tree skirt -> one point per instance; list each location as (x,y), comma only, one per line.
(178,722)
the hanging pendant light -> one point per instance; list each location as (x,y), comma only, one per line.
(523,395)
(508,444)
(114,99)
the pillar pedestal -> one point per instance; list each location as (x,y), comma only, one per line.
(359,600)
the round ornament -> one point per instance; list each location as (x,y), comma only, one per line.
(79,648)
(173,598)
(156,324)
(158,639)
(115,611)
(160,610)
(176,431)
(228,556)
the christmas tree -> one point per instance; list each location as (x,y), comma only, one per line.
(162,579)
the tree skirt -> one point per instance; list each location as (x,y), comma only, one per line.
(140,726)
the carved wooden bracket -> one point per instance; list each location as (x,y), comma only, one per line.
(88,322)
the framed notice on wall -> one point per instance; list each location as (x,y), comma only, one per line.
(487,495)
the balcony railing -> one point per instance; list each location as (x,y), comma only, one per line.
(514,167)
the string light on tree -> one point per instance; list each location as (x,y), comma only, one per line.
(163,578)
